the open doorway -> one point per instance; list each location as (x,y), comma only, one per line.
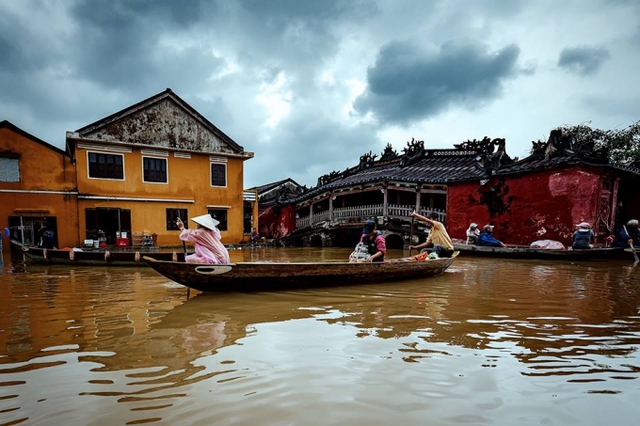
(106,222)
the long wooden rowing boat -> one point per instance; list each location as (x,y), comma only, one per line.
(95,257)
(261,276)
(515,252)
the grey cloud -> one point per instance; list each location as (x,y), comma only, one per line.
(583,60)
(115,15)
(408,83)
(19,48)
(308,139)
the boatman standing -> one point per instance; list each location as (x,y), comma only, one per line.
(438,240)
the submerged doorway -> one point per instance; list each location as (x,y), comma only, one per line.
(105,222)
(26,229)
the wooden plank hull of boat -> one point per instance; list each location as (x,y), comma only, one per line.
(546,254)
(94,257)
(263,276)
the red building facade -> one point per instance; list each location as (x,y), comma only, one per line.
(533,206)
(541,197)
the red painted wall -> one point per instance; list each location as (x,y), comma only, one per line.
(535,206)
(277,222)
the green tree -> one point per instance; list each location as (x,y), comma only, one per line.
(620,147)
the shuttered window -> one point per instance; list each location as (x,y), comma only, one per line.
(106,166)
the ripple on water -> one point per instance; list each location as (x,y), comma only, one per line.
(488,342)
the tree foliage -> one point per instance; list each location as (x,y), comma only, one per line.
(621,147)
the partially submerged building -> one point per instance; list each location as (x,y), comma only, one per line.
(276,213)
(545,195)
(128,175)
(37,185)
(541,196)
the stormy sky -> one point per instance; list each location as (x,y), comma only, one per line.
(311,85)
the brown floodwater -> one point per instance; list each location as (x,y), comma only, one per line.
(489,342)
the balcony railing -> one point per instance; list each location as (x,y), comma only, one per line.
(394,211)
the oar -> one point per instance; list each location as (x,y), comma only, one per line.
(411,236)
(184,247)
(635,256)
(633,250)
(184,244)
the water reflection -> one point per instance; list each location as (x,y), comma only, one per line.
(478,341)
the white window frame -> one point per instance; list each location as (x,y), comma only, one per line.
(124,171)
(166,161)
(226,175)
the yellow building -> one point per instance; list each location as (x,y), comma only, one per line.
(141,168)
(37,185)
(132,174)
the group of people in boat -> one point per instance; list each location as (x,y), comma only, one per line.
(210,250)
(484,237)
(438,243)
(627,235)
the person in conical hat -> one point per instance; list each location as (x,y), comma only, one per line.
(206,239)
(583,237)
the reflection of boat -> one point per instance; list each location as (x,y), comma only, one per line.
(256,276)
(516,252)
(95,257)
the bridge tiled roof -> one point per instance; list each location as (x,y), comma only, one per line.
(433,167)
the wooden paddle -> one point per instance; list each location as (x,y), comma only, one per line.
(633,250)
(411,236)
(184,244)
(635,256)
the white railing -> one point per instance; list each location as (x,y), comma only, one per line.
(367,211)
(358,211)
(320,216)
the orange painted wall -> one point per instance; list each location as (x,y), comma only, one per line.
(188,188)
(46,187)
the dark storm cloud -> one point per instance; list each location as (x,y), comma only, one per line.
(583,60)
(408,83)
(118,40)
(19,51)
(118,44)
(311,145)
(115,15)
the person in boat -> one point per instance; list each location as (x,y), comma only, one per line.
(486,238)
(255,236)
(627,235)
(583,237)
(47,237)
(375,242)
(438,240)
(472,233)
(206,239)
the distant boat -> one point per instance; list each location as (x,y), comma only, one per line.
(265,275)
(95,257)
(522,252)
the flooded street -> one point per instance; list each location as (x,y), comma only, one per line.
(489,342)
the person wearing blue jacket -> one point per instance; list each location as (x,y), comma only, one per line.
(628,234)
(487,239)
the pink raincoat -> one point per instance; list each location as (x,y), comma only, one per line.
(208,247)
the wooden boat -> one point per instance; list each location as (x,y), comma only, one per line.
(261,276)
(524,252)
(95,257)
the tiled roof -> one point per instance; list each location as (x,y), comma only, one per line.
(434,167)
(268,186)
(539,162)
(472,160)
